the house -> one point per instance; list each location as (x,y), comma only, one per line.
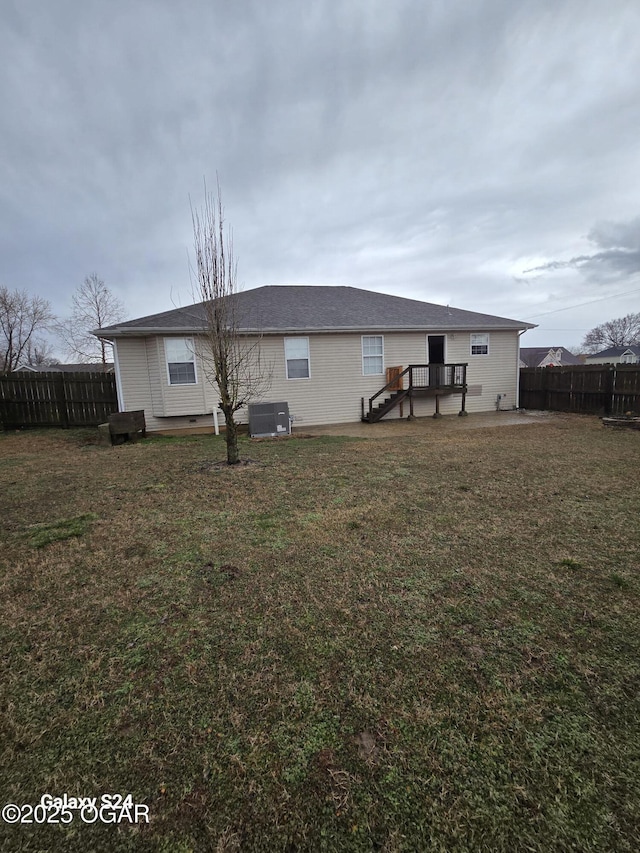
(93,367)
(616,355)
(546,357)
(327,350)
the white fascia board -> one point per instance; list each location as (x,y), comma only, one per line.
(310,330)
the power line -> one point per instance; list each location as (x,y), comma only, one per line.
(581,304)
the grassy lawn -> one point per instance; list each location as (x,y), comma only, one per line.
(428,643)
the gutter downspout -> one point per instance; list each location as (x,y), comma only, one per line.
(520,334)
(116,365)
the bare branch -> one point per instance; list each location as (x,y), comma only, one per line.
(22,319)
(40,354)
(94,307)
(623,332)
(231,360)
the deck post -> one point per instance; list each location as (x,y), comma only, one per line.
(463,412)
(437,414)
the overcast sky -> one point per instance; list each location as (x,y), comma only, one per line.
(480,154)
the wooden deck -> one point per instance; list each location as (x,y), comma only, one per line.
(417,380)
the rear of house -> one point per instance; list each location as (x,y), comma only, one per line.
(323,351)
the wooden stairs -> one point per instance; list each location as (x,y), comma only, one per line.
(433,380)
(385,406)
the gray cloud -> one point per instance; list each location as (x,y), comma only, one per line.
(619,258)
(421,148)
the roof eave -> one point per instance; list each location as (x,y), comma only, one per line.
(137,331)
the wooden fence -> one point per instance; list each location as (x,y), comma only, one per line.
(603,389)
(56,399)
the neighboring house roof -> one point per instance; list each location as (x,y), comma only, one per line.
(615,352)
(534,356)
(96,367)
(318,308)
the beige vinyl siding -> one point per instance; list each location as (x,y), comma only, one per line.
(336,385)
(611,360)
(487,375)
(333,393)
(145,385)
(155,377)
(497,372)
(134,374)
(180,399)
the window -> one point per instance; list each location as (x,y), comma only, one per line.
(296,354)
(627,358)
(372,355)
(480,344)
(181,361)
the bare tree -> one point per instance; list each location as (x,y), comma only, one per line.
(623,332)
(230,359)
(22,319)
(40,354)
(94,307)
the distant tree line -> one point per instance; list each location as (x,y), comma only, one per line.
(28,324)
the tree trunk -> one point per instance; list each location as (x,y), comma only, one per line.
(231,435)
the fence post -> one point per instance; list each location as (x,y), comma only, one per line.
(608,400)
(547,392)
(571,394)
(63,411)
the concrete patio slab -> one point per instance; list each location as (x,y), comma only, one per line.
(422,426)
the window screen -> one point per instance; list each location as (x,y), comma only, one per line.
(480,344)
(372,355)
(181,363)
(296,353)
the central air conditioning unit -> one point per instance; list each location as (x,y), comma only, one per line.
(267,420)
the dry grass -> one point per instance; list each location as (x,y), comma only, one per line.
(393,645)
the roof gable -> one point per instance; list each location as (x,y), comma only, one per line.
(615,352)
(532,356)
(319,308)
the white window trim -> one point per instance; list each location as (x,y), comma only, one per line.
(362,337)
(628,357)
(471,344)
(286,360)
(166,362)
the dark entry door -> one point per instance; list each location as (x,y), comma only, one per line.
(435,349)
(435,357)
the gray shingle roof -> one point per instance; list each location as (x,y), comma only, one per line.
(84,367)
(318,308)
(615,352)
(532,356)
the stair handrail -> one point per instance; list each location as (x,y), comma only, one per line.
(387,386)
(409,370)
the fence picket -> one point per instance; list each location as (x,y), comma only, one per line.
(604,389)
(56,399)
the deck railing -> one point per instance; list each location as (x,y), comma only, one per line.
(437,375)
(424,379)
